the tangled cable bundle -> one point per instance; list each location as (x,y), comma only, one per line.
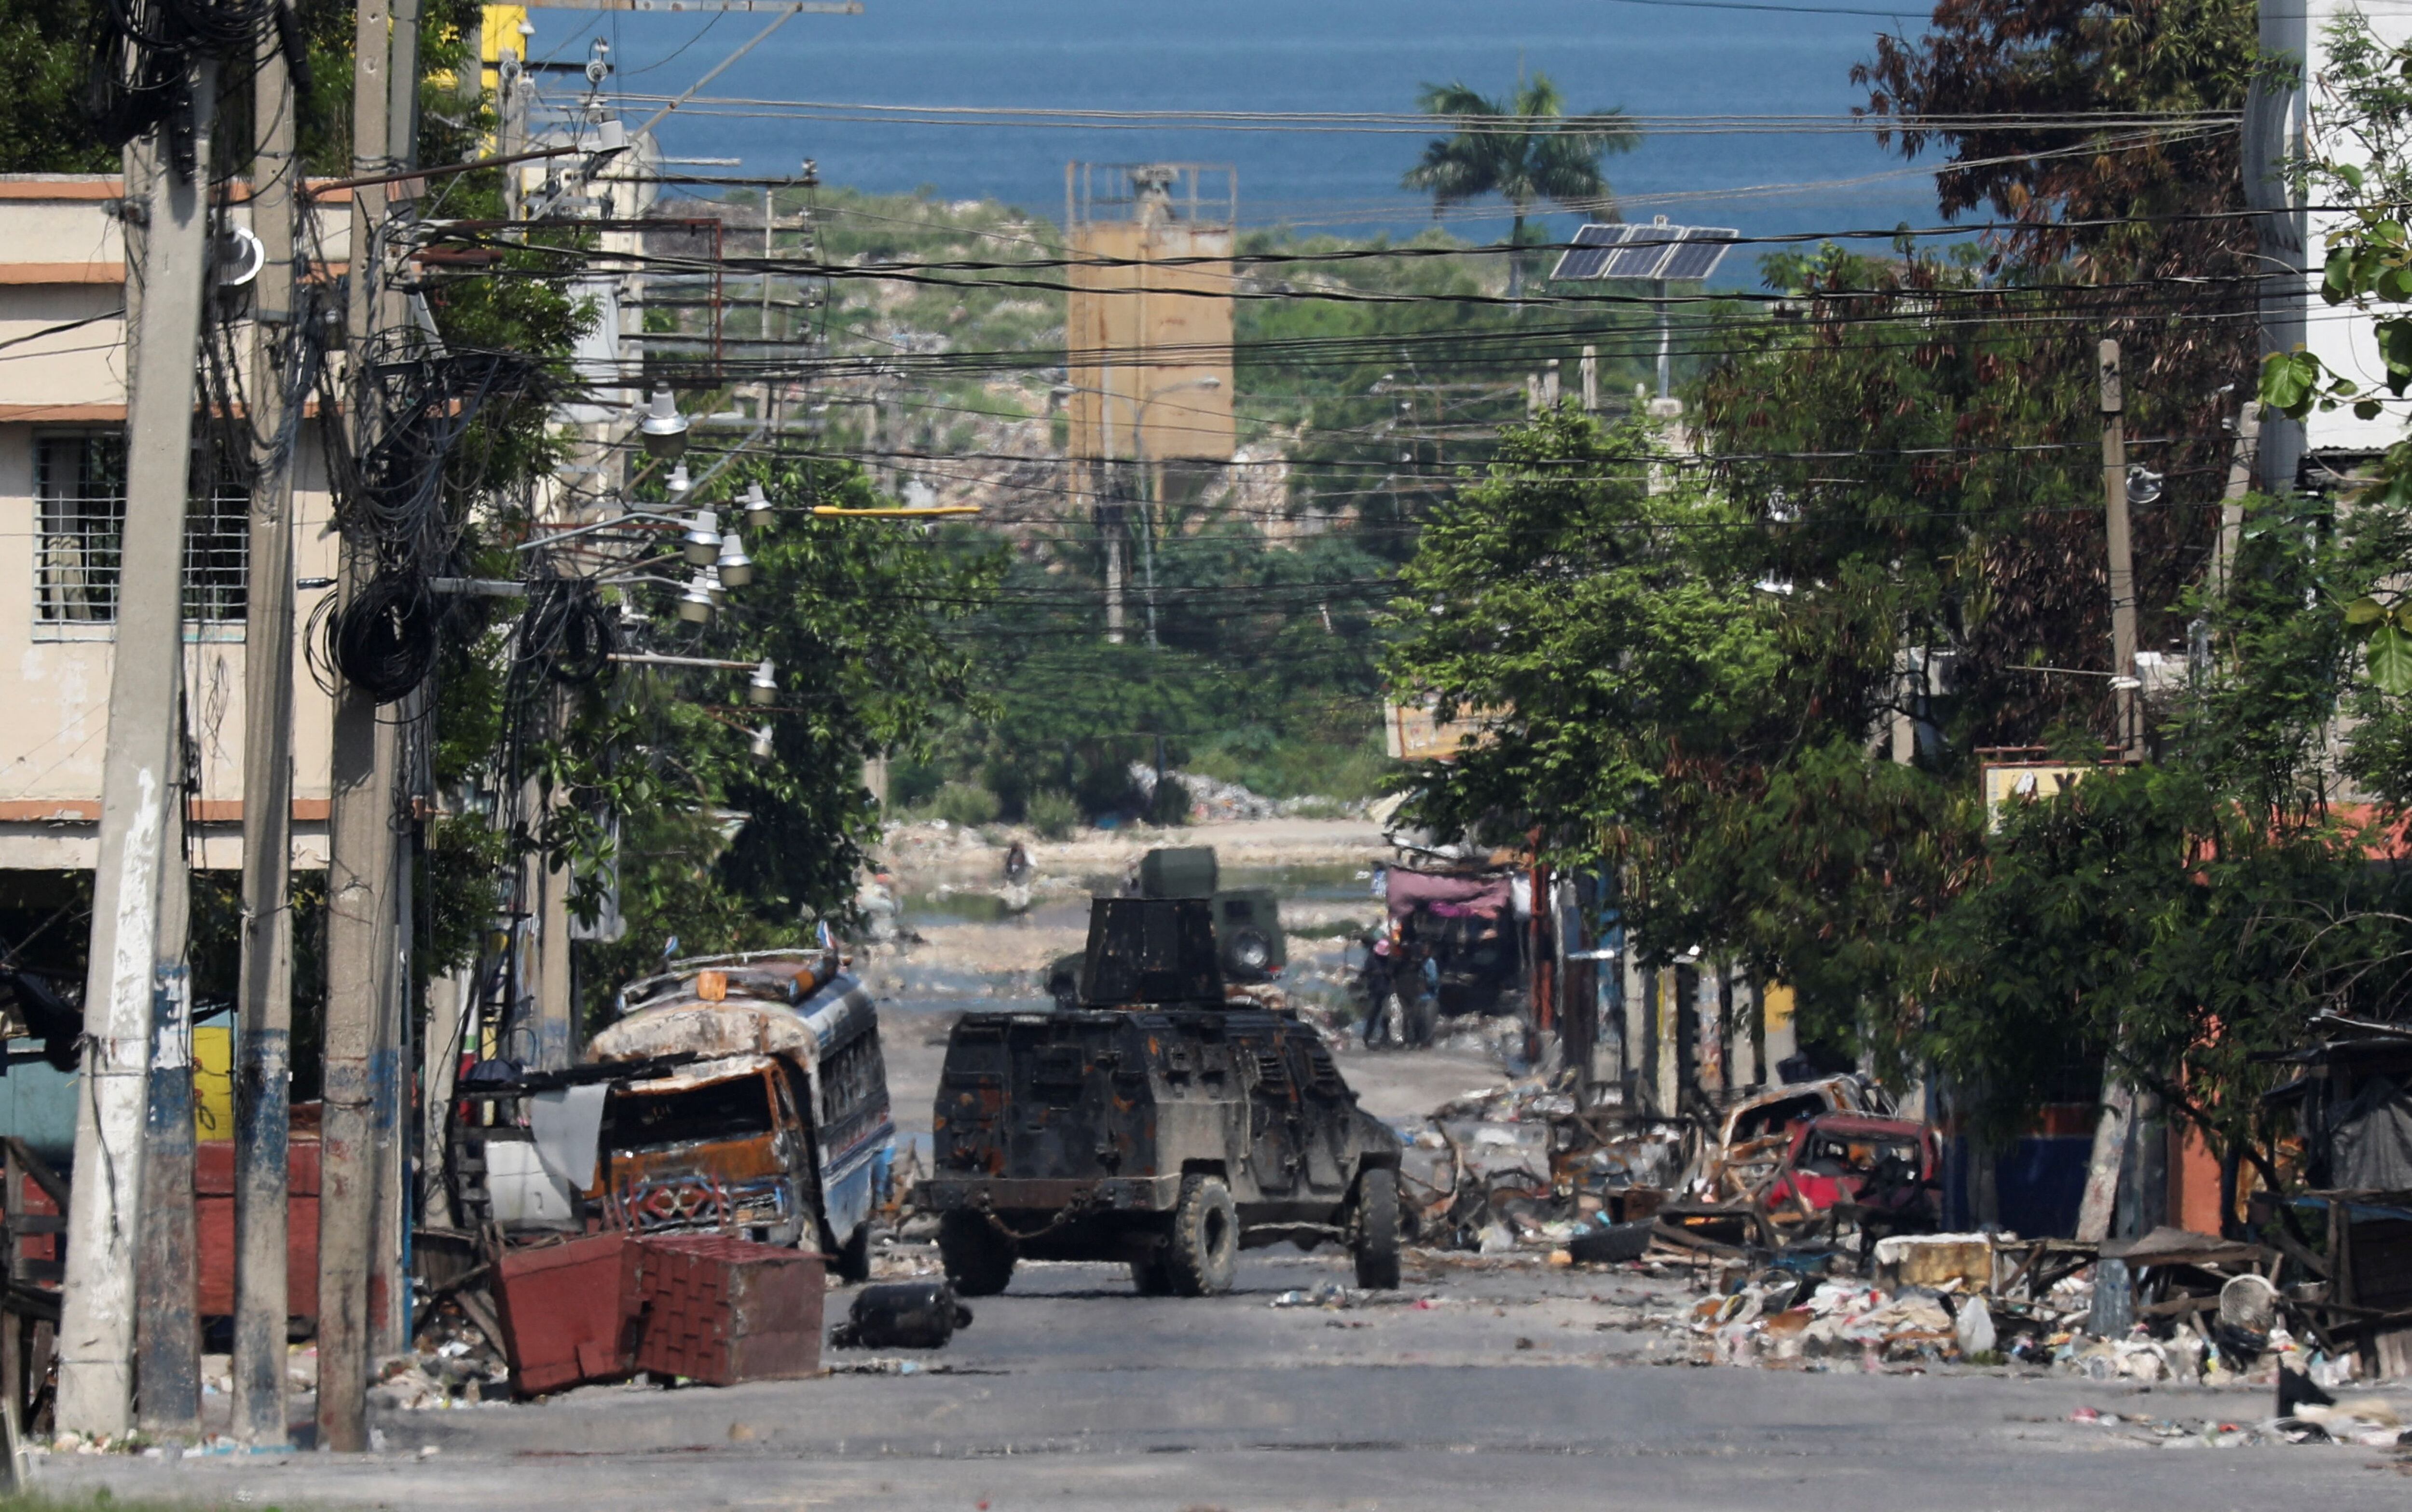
(385,640)
(143,57)
(568,630)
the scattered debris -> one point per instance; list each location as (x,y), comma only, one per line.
(908,1314)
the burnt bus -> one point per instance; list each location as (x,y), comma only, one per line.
(779,1131)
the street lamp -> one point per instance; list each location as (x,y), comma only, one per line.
(736,568)
(663,427)
(758,507)
(695,605)
(702,542)
(763,688)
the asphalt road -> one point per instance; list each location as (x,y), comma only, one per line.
(1514,1387)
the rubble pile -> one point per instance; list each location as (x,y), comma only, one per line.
(1212,798)
(1808,1262)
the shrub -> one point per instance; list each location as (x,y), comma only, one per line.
(967,804)
(1053,814)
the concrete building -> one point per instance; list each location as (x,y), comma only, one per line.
(63,396)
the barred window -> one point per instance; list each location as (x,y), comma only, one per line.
(79,481)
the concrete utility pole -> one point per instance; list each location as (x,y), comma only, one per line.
(1590,370)
(359,880)
(2125,687)
(264,1000)
(387,1298)
(97,1326)
(2241,465)
(168,1278)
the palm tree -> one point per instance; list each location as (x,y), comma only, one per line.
(1525,150)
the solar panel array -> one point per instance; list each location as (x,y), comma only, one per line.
(1675,253)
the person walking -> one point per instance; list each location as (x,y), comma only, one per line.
(1375,983)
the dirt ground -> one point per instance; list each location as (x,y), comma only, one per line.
(925,855)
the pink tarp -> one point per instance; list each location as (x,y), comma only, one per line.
(1484,896)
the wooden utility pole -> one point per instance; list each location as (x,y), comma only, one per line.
(359,880)
(264,1006)
(2123,685)
(138,784)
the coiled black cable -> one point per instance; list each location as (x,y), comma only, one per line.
(385,638)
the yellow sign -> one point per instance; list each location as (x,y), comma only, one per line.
(2017,783)
(1411,732)
(1775,1003)
(501,30)
(213,1081)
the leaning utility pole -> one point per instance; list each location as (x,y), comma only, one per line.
(2123,685)
(359,879)
(389,1299)
(167,1276)
(97,1323)
(264,1006)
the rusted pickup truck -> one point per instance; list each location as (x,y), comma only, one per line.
(778,1130)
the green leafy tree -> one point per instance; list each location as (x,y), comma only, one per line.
(710,840)
(45,60)
(1525,149)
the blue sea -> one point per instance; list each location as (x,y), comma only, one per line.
(1283,55)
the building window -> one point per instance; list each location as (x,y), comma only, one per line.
(79,481)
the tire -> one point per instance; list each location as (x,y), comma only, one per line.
(854,1256)
(1375,1241)
(978,1259)
(1250,955)
(1205,1250)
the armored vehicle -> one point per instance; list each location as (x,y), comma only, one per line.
(1155,1124)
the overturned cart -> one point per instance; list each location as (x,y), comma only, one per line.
(1155,1124)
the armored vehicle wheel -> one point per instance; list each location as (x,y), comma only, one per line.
(1374,1233)
(1204,1251)
(854,1256)
(1148,1277)
(978,1259)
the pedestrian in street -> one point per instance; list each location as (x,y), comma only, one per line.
(1375,983)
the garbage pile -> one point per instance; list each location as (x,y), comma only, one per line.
(1209,798)
(1515,1168)
(1808,1215)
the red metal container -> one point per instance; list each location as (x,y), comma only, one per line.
(214,1220)
(569,1310)
(721,1311)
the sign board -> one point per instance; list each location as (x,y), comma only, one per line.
(1410,732)
(2014,781)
